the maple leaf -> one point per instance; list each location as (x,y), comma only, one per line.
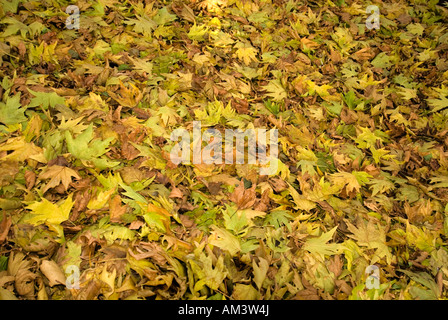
(277,218)
(377,154)
(197,32)
(116,210)
(142,25)
(10,6)
(367,138)
(45,99)
(163,17)
(208,275)
(380,186)
(260,271)
(20,150)
(222,39)
(51,214)
(142,65)
(11,112)
(442,182)
(319,246)
(432,292)
(58,175)
(275,90)
(246,52)
(244,198)
(128,97)
(353,181)
(301,201)
(157,217)
(48,212)
(371,236)
(351,100)
(441,102)
(84,148)
(225,240)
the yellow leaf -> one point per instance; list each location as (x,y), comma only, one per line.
(100,200)
(225,240)
(127,97)
(49,213)
(301,202)
(109,279)
(21,150)
(346,178)
(366,234)
(320,247)
(260,271)
(58,175)
(246,53)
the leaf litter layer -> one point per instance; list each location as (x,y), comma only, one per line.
(87,183)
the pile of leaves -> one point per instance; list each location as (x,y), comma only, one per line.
(87,182)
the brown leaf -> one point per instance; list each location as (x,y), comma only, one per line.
(363,54)
(4,227)
(58,175)
(81,201)
(176,193)
(244,198)
(309,293)
(116,210)
(151,250)
(53,272)
(214,188)
(24,283)
(277,184)
(404,19)
(90,291)
(30,179)
(309,43)
(343,286)
(263,203)
(335,56)
(336,265)
(22,48)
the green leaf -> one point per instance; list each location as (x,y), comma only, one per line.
(45,99)
(208,275)
(380,186)
(382,60)
(12,112)
(276,90)
(10,6)
(319,246)
(431,293)
(351,100)
(3,263)
(225,240)
(114,232)
(84,147)
(163,17)
(277,218)
(142,25)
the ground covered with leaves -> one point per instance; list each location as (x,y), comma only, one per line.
(87,182)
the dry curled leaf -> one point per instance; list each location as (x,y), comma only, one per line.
(52,271)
